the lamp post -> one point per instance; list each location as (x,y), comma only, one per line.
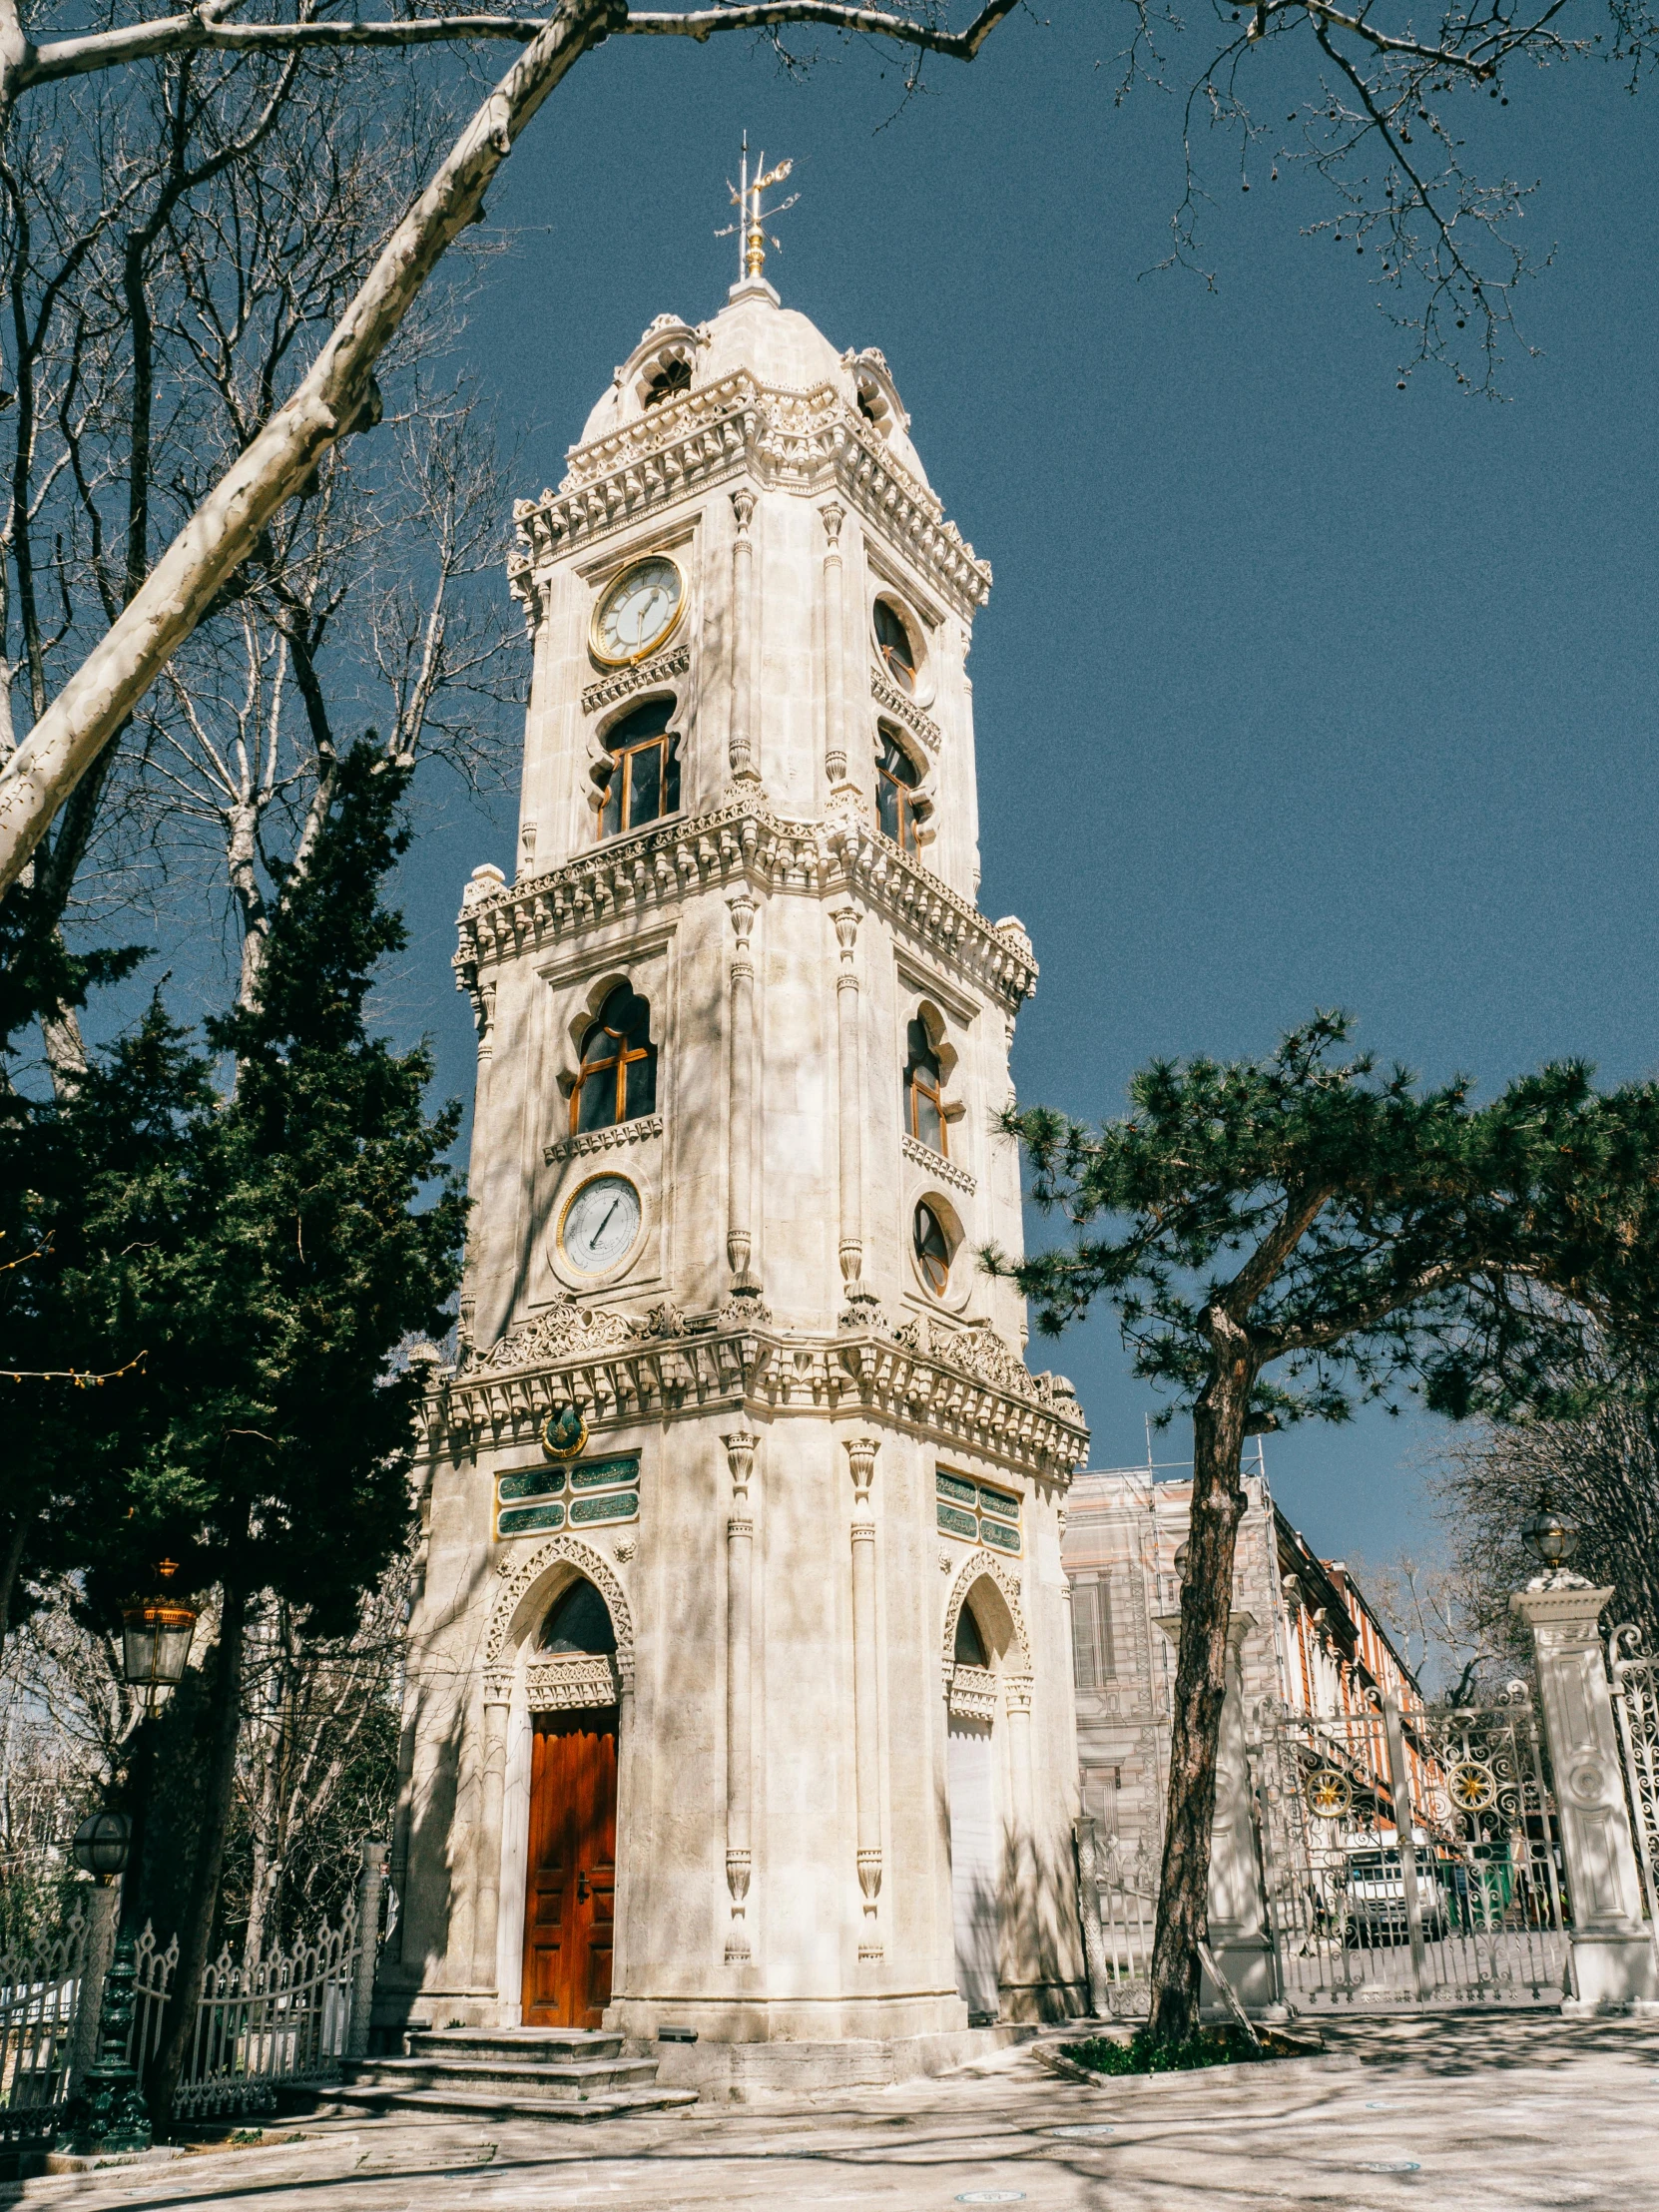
(1549,1536)
(108,2114)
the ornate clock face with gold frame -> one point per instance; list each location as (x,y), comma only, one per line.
(638,610)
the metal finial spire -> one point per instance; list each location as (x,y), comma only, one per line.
(752,215)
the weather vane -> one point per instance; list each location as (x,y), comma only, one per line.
(752,217)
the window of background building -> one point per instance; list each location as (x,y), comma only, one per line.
(1091,1633)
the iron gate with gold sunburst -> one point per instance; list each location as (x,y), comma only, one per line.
(1461,1902)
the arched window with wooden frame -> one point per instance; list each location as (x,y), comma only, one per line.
(670,379)
(925,1112)
(896,644)
(896,778)
(618,1078)
(644,782)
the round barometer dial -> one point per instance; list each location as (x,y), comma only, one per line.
(600,1224)
(638,610)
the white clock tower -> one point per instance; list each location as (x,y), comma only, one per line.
(739,1691)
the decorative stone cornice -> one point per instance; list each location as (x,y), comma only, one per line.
(893,702)
(934,1163)
(660,669)
(570,1681)
(950,1385)
(808,441)
(971,1692)
(744,842)
(603,1140)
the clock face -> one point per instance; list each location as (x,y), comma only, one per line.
(600,1224)
(638,610)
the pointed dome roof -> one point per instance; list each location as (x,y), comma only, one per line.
(777,346)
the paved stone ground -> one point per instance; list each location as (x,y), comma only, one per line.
(1476,2114)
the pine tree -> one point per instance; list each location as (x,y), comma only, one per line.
(1284,1239)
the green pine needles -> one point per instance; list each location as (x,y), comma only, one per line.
(1286,1239)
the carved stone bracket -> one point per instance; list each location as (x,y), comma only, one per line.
(894,701)
(660,669)
(971,1692)
(632,1132)
(923,1156)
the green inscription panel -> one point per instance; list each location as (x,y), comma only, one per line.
(534,1483)
(604,1474)
(524,1518)
(999,1502)
(999,1538)
(954,1523)
(954,1488)
(616,1506)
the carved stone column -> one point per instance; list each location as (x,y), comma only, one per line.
(1016,1698)
(866,1718)
(1612,1950)
(742,748)
(850,1109)
(741,1448)
(487,1918)
(835,650)
(741,1133)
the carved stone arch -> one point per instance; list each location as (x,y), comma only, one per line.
(985,1566)
(600,762)
(931,1016)
(668,341)
(528,1586)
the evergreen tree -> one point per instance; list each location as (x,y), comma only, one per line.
(266,1225)
(1287,1238)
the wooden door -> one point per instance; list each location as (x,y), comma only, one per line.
(570,1896)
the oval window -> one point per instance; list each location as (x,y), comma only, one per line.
(895,644)
(932,1249)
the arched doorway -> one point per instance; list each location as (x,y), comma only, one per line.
(973,1832)
(570,1885)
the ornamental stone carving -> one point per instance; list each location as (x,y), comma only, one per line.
(985,1566)
(567,1682)
(568,1329)
(604,1140)
(519,1577)
(660,669)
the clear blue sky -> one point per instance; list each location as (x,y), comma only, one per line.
(1293,690)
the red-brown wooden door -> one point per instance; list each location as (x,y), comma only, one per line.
(570,1896)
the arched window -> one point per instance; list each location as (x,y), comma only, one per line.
(645,778)
(617,1081)
(932,1249)
(897,776)
(580,1620)
(893,643)
(970,1645)
(670,379)
(924,1091)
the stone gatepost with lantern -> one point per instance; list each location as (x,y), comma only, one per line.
(1612,1947)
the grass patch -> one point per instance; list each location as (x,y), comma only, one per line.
(1206,2046)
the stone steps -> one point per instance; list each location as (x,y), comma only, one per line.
(515,2073)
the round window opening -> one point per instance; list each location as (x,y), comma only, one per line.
(895,646)
(932,1249)
(579,1621)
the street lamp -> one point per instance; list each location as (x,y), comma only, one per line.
(101,1843)
(1549,1536)
(154,1639)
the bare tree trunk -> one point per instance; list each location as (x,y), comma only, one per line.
(1201,1680)
(197,1932)
(337,396)
(11,1562)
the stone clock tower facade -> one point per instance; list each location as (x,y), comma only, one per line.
(739,1679)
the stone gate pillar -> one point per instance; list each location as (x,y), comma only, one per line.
(1612,1950)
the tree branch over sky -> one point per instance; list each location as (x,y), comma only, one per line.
(1287,1239)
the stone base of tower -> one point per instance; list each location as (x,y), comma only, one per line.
(734,2073)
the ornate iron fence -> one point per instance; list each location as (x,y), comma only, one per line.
(1412,1858)
(41,1994)
(285,2018)
(1633,1670)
